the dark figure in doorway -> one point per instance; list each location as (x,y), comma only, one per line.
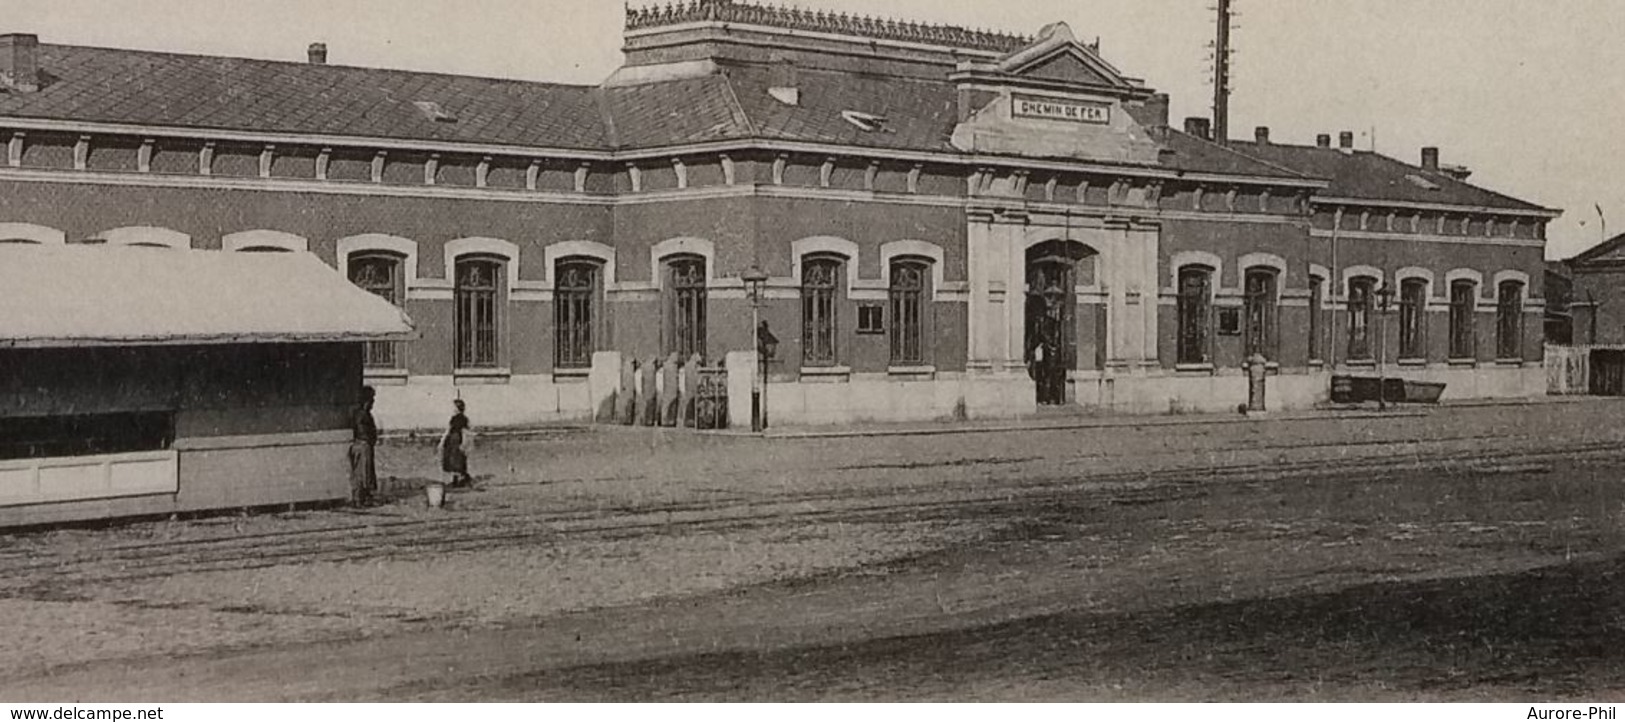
(363,468)
(1046,364)
(454,448)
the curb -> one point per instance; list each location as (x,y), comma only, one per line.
(1098,423)
(1320,413)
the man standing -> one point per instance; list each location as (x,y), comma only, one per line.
(363,470)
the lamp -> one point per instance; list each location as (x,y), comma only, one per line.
(755,280)
(1385,297)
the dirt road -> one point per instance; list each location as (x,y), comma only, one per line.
(1462,554)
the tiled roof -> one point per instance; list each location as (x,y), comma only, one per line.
(138,87)
(1371,176)
(918,115)
(1196,155)
(674,112)
(195,91)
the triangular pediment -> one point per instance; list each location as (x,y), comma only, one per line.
(1058,58)
(1066,67)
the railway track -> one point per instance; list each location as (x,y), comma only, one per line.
(981,486)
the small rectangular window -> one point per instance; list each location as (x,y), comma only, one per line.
(871,318)
(1229,322)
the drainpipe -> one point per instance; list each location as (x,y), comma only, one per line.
(1591,320)
(1336,283)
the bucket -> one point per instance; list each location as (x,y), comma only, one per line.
(436,493)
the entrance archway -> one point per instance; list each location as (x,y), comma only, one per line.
(1051,316)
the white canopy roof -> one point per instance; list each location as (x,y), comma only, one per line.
(93,295)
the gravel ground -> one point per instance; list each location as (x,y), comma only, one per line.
(969,527)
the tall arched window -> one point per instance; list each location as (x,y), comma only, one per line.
(478,295)
(1195,314)
(1463,303)
(379,274)
(1413,306)
(685,306)
(820,293)
(1509,320)
(1361,290)
(1261,300)
(575,307)
(1317,305)
(908,292)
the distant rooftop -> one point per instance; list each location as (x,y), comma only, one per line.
(731,11)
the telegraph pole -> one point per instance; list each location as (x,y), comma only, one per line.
(1221,75)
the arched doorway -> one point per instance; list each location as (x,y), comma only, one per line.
(1051,316)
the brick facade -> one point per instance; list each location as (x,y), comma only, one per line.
(933,166)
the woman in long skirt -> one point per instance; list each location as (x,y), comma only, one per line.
(453,448)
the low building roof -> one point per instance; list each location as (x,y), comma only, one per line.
(78,295)
(241,94)
(1365,175)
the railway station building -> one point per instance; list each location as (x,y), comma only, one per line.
(952,223)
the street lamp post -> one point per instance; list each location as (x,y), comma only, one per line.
(755,281)
(1385,296)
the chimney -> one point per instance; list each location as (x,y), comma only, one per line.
(1430,158)
(1262,134)
(1345,141)
(1199,127)
(19,63)
(317,53)
(1324,140)
(1153,112)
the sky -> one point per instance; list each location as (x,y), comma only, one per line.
(1527,93)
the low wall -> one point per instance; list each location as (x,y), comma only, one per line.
(424,403)
(205,474)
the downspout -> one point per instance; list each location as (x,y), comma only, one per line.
(1591,318)
(1337,290)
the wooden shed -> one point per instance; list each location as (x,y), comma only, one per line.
(138,381)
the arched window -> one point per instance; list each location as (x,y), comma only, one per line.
(1413,306)
(1509,320)
(820,293)
(685,306)
(575,304)
(1463,302)
(1260,301)
(1361,290)
(1317,305)
(1195,313)
(477,299)
(263,249)
(907,293)
(379,274)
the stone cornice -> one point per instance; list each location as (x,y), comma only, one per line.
(839,24)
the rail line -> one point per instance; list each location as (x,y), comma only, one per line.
(510,527)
